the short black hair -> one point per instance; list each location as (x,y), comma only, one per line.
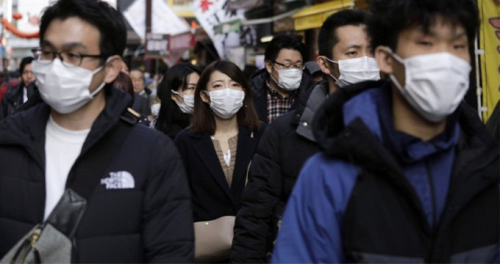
(284,41)
(25,61)
(100,14)
(391,17)
(328,38)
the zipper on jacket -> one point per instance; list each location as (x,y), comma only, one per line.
(433,225)
(433,196)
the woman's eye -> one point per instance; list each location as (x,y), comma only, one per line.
(352,53)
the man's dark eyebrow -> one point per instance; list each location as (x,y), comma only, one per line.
(354,46)
(45,43)
(67,46)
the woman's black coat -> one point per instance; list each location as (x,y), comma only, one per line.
(210,193)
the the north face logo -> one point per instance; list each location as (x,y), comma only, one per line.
(119,180)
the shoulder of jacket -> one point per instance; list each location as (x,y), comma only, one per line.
(130,116)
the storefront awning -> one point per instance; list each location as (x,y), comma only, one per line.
(314,16)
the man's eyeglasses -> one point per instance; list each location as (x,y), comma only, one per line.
(298,66)
(67,58)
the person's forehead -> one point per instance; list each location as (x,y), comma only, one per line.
(286,54)
(136,74)
(219,76)
(348,33)
(70,31)
(439,28)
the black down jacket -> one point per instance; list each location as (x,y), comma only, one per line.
(285,146)
(149,222)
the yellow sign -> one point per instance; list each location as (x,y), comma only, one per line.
(489,40)
(181,8)
(314,16)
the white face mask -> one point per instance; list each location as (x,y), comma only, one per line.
(188,105)
(226,102)
(356,70)
(289,79)
(64,88)
(155,109)
(435,84)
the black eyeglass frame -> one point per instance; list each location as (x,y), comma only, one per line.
(37,52)
(291,67)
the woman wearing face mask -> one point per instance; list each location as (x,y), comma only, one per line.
(217,149)
(176,92)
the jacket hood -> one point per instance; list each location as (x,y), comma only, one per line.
(329,120)
(27,128)
(258,80)
(354,130)
(310,101)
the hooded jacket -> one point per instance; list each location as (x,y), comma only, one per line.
(150,221)
(260,90)
(285,146)
(379,195)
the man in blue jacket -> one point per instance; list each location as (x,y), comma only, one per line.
(83,138)
(408,173)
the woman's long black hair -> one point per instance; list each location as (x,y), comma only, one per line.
(171,119)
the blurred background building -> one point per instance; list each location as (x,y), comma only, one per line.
(164,32)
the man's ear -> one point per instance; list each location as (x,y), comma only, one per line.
(269,66)
(112,68)
(323,65)
(384,59)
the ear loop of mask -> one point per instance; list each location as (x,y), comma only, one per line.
(391,76)
(271,75)
(96,91)
(177,93)
(332,61)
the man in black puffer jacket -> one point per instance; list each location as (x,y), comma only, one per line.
(288,142)
(83,138)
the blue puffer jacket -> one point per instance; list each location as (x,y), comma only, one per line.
(379,195)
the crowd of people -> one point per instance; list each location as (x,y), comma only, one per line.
(366,154)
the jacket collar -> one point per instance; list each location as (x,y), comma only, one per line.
(356,140)
(206,151)
(306,113)
(27,128)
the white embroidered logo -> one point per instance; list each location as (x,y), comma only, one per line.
(119,180)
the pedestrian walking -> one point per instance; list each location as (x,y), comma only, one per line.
(78,177)
(408,173)
(217,149)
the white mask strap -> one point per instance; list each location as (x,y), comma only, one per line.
(395,56)
(332,61)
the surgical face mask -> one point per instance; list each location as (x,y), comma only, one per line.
(188,105)
(356,70)
(64,88)
(289,79)
(155,109)
(435,83)
(226,102)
